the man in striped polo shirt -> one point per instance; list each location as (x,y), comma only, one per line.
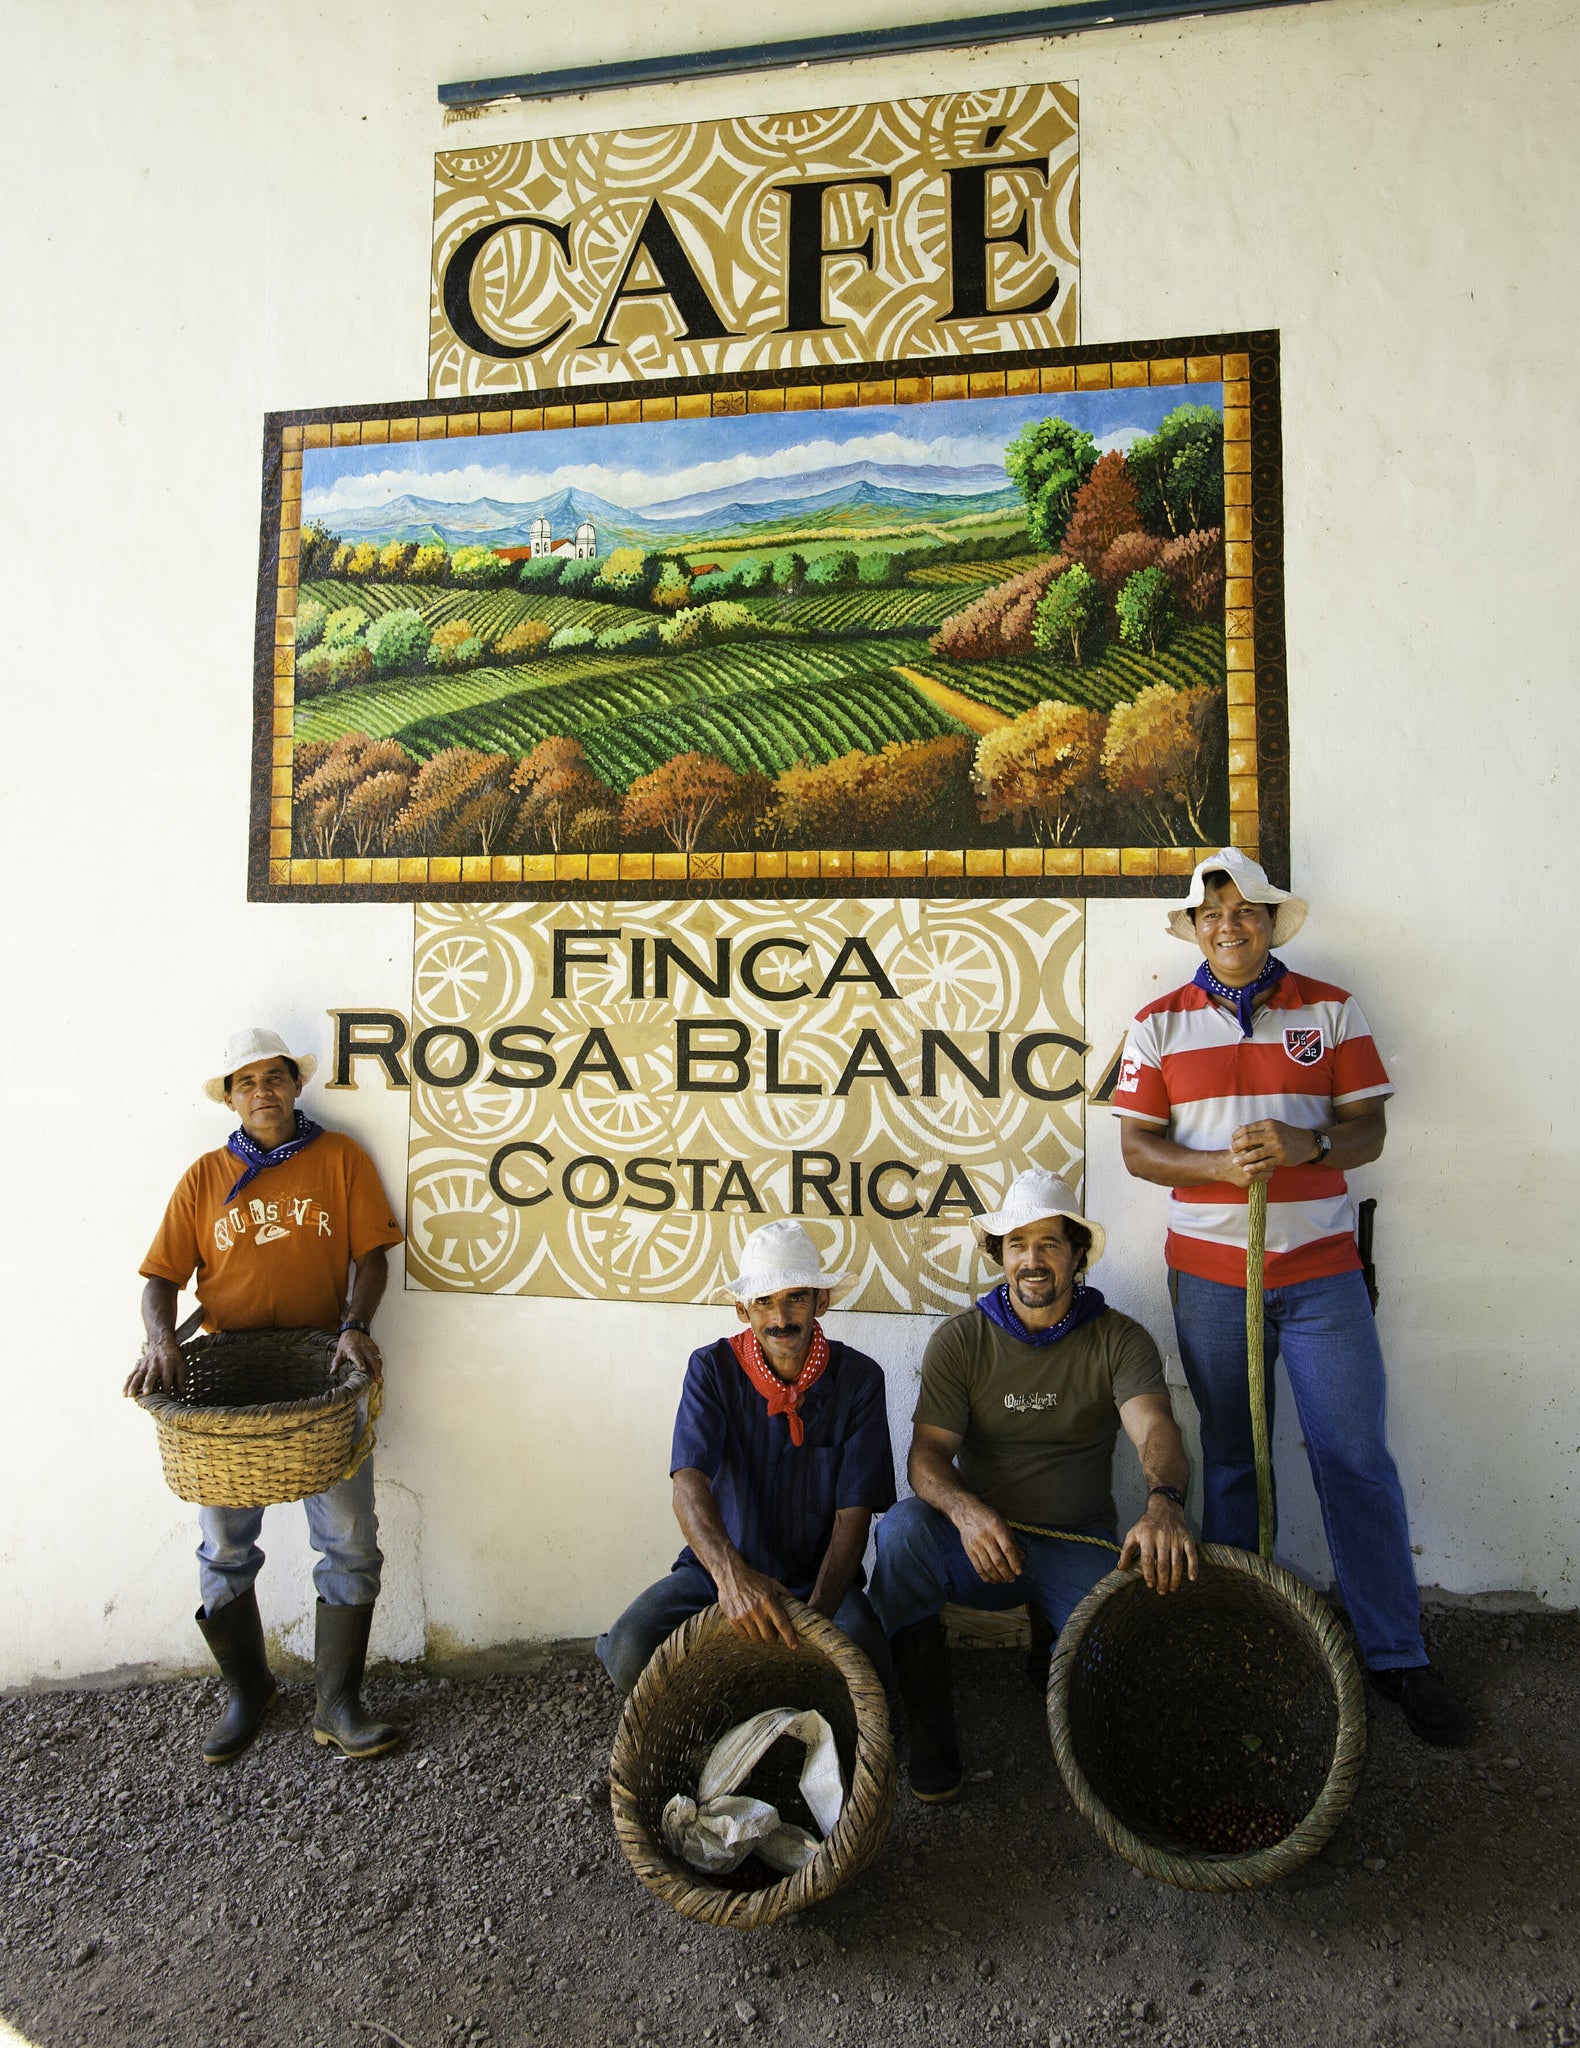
(1251,1072)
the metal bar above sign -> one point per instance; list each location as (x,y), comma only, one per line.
(473,93)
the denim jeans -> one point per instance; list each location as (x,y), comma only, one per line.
(922,1563)
(1326,1335)
(625,1648)
(341,1525)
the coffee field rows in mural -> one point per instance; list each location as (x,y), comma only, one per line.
(1040,657)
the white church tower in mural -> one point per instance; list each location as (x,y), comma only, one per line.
(584,548)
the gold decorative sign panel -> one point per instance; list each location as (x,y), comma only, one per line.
(943,226)
(607,1097)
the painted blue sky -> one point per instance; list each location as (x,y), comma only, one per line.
(648,465)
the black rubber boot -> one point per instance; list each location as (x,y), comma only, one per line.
(1040,1655)
(234,1634)
(921,1670)
(1430,1710)
(340,1650)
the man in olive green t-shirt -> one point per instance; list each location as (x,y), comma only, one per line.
(1022,1398)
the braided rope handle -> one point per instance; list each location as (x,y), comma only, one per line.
(1256,1367)
(363,1447)
(1064,1535)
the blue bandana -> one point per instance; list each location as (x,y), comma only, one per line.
(1241,1000)
(256,1160)
(999,1309)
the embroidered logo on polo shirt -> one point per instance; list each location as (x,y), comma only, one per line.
(1303,1045)
(1025,1404)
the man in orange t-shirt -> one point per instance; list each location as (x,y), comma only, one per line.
(286,1227)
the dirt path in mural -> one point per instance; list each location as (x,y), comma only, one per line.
(469,1890)
(975,717)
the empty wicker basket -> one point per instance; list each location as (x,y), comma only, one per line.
(263,1417)
(702,1681)
(1214,1736)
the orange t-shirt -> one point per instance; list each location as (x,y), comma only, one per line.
(278,1256)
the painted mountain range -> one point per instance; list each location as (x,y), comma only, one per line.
(897,489)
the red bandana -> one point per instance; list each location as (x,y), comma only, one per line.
(784,1398)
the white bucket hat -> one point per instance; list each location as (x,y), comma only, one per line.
(1033,1195)
(777,1256)
(255,1043)
(1250,878)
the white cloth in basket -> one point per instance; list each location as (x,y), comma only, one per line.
(718,1830)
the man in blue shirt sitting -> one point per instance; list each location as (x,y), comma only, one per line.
(781,1458)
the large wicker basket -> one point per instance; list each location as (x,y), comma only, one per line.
(1230,1708)
(702,1681)
(263,1417)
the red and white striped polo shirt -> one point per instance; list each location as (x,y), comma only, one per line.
(1186,1066)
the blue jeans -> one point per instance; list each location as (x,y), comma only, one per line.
(922,1563)
(341,1525)
(625,1648)
(1327,1337)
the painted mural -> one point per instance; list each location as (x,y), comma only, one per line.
(957,634)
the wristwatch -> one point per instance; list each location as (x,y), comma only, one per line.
(1169,1493)
(1324,1147)
(354,1323)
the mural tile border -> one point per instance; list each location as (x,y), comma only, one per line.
(1247,365)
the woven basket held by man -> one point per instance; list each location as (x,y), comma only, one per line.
(1021,1401)
(781,1458)
(286,1227)
(1251,1072)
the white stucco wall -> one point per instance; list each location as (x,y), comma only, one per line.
(213,211)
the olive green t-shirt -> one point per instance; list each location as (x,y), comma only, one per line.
(1038,1422)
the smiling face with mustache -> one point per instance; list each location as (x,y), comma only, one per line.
(1041,1264)
(783,1325)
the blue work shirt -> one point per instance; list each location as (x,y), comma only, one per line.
(777,1500)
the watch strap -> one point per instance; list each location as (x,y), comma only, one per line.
(1169,1493)
(354,1323)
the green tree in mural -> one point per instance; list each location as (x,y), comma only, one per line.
(789,571)
(837,570)
(1146,610)
(1048,461)
(1179,471)
(1069,620)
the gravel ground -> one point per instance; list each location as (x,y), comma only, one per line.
(469,1889)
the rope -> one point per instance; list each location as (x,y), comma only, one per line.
(1065,1535)
(369,1437)
(1255,1252)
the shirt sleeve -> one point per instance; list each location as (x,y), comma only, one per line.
(1135,1364)
(372,1222)
(866,1462)
(173,1255)
(1358,1072)
(944,1401)
(1141,1092)
(700,1422)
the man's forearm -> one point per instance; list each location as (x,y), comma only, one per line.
(1356,1140)
(1153,1155)
(934,1479)
(698,1515)
(159,1307)
(840,1560)
(1162,1459)
(367,1285)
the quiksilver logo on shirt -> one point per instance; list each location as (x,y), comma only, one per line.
(1024,1404)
